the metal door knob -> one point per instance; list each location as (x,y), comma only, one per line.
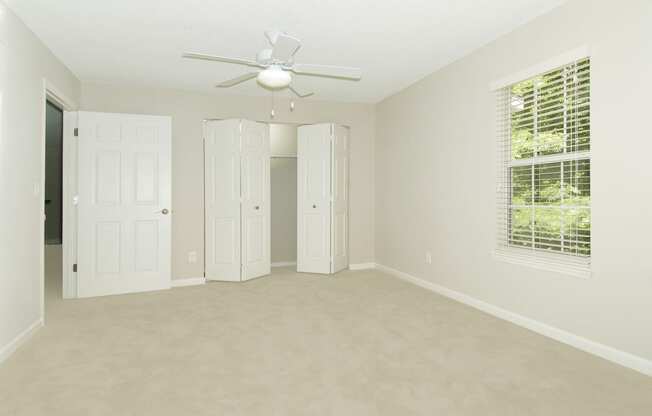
(314,206)
(165,211)
(256,207)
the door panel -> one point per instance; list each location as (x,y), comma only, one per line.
(313,199)
(108,246)
(340,204)
(222,199)
(255,200)
(108,174)
(316,227)
(146,178)
(124,184)
(146,246)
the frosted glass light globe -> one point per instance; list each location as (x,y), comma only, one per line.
(274,78)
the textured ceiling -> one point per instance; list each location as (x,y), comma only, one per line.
(139,42)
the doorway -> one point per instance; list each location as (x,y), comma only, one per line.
(53,200)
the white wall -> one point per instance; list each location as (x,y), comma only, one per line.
(189,109)
(435,170)
(24,63)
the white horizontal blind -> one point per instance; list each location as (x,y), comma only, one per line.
(544,172)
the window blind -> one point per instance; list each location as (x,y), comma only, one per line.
(544,170)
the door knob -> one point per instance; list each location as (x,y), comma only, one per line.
(256,207)
(314,206)
(165,211)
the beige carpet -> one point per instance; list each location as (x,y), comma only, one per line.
(360,343)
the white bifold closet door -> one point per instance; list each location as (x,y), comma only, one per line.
(237,195)
(124,208)
(322,198)
(222,200)
(340,199)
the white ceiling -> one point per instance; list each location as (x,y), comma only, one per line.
(395,42)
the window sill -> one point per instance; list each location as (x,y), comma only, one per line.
(559,263)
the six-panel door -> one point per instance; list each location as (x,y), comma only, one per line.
(256,208)
(124,205)
(314,199)
(222,199)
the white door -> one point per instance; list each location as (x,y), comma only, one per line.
(313,198)
(256,209)
(340,204)
(124,205)
(222,199)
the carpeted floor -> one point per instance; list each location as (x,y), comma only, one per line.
(360,343)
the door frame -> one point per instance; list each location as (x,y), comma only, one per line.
(50,92)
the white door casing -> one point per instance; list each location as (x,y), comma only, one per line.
(222,199)
(124,209)
(70,215)
(340,199)
(313,198)
(256,207)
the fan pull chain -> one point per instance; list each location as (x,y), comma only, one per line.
(272,113)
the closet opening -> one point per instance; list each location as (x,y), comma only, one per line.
(275,195)
(283,180)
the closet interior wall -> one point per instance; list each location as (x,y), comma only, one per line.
(283,175)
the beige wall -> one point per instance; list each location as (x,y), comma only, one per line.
(435,170)
(24,63)
(283,139)
(189,109)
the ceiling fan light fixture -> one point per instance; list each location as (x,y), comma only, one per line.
(274,78)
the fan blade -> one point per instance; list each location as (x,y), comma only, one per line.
(237,80)
(298,94)
(343,72)
(271,36)
(205,57)
(285,46)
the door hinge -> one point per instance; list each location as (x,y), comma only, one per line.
(76,132)
(74,268)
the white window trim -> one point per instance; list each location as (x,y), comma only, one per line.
(542,67)
(539,259)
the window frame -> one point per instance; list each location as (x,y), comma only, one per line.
(559,261)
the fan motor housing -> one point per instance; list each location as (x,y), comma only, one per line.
(264,56)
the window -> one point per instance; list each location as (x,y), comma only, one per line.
(544,181)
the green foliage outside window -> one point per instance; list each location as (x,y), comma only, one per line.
(550,200)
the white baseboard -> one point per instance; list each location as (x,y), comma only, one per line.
(191,281)
(20,339)
(284,263)
(608,353)
(362,266)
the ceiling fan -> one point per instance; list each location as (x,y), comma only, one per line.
(277,64)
